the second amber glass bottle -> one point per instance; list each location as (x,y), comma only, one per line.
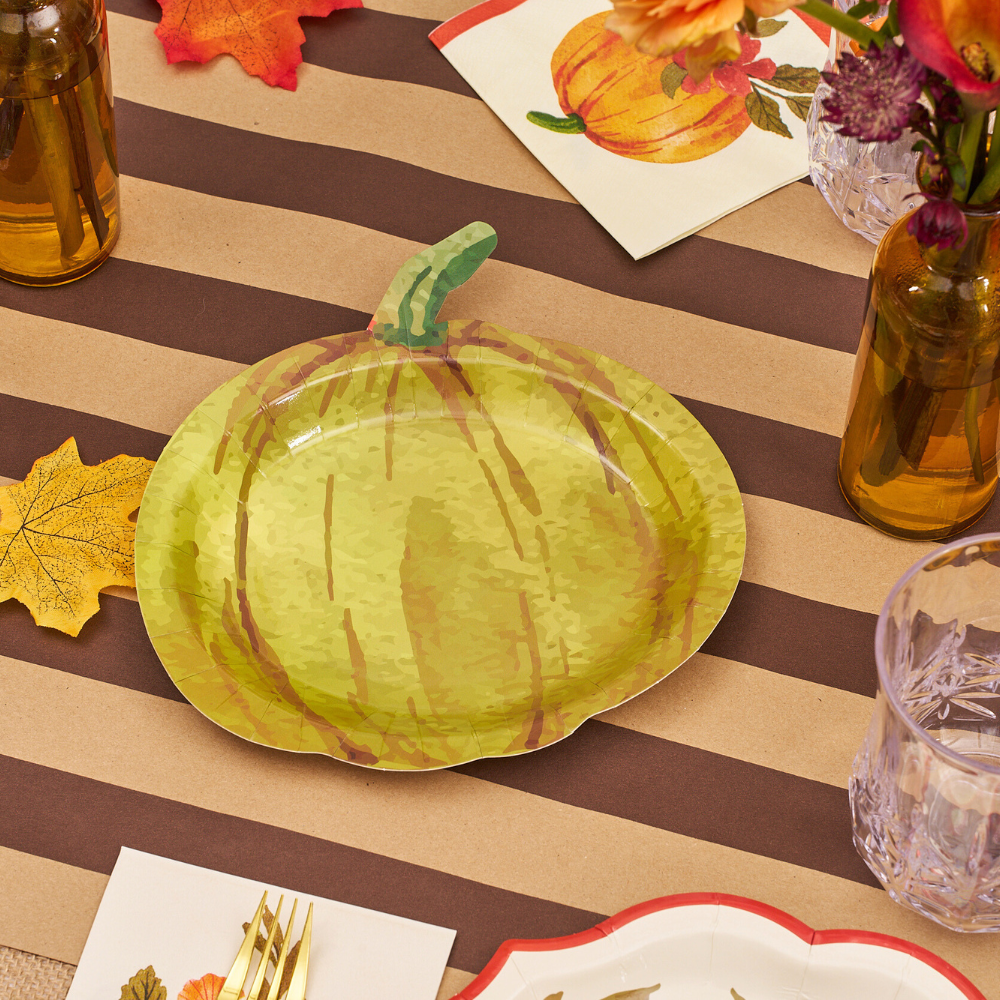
(919,455)
(59,214)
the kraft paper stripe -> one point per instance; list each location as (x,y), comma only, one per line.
(35,823)
(718,280)
(603,768)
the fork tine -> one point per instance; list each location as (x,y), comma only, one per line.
(233,985)
(297,986)
(258,979)
(272,993)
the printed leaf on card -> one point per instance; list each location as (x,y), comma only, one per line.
(144,985)
(264,35)
(799,106)
(769,26)
(795,79)
(672,77)
(765,113)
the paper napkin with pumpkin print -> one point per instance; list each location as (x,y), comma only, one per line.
(170,931)
(650,154)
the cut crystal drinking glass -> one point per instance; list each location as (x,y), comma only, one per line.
(925,788)
(867,184)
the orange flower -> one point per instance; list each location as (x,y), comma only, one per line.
(663,27)
(706,28)
(771,8)
(961,40)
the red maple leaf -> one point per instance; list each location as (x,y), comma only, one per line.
(263,34)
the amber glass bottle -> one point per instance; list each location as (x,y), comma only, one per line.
(58,167)
(919,455)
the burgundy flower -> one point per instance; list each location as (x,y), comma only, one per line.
(938,223)
(732,77)
(872,96)
(947,102)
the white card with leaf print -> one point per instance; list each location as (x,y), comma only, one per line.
(652,156)
(170,931)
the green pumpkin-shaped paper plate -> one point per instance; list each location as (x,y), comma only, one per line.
(425,543)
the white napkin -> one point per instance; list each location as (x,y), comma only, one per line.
(504,49)
(186,921)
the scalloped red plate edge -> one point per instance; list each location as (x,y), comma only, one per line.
(772,913)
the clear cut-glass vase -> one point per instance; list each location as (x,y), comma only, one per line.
(867,184)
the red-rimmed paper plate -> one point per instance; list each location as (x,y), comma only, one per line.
(704,946)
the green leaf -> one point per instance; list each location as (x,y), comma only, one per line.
(956,167)
(799,106)
(671,78)
(144,985)
(863,9)
(769,27)
(568,126)
(891,26)
(765,113)
(797,79)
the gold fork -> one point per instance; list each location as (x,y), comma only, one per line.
(233,985)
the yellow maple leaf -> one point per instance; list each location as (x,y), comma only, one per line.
(65,534)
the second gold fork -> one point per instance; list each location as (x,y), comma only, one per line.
(233,986)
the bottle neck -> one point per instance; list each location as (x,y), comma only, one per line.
(973,257)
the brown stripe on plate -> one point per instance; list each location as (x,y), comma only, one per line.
(29,430)
(173,308)
(693,792)
(82,822)
(722,281)
(359,41)
(112,647)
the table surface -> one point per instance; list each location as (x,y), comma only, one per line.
(255,219)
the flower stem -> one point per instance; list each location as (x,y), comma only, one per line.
(990,183)
(968,147)
(841,22)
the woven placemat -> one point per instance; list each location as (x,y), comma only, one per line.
(31,977)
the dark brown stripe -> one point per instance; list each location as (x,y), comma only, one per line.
(702,276)
(81,822)
(29,430)
(763,627)
(692,792)
(797,637)
(774,459)
(244,324)
(186,311)
(360,41)
(112,647)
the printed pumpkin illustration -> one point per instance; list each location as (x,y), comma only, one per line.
(647,108)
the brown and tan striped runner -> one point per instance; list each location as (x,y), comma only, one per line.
(255,219)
